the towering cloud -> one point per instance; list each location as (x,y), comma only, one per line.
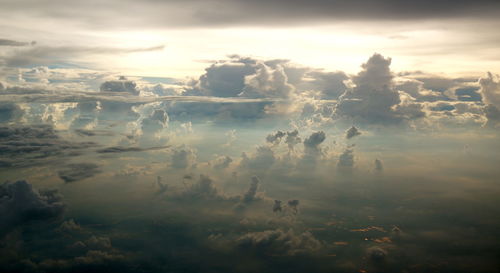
(352,132)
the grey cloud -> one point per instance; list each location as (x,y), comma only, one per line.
(46,55)
(352,132)
(279,242)
(275,138)
(249,196)
(20,203)
(374,98)
(79,171)
(492,113)
(7,42)
(331,84)
(156,122)
(378,165)
(35,144)
(263,159)
(121,85)
(222,162)
(292,139)
(183,157)
(490,89)
(314,140)
(123,149)
(196,13)
(346,160)
(10,112)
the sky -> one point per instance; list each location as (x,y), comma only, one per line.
(249,136)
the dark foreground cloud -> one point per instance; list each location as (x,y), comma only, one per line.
(7,42)
(20,203)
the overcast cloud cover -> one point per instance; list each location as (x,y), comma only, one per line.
(249,136)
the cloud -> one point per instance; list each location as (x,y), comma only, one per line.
(378,165)
(10,112)
(35,144)
(120,85)
(47,55)
(7,42)
(122,149)
(490,89)
(20,203)
(262,159)
(374,98)
(279,242)
(79,171)
(183,157)
(222,162)
(292,139)
(249,196)
(352,132)
(330,84)
(346,160)
(276,137)
(267,82)
(311,144)
(151,14)
(492,113)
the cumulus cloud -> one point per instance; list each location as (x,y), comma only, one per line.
(352,132)
(262,159)
(10,112)
(183,157)
(79,171)
(267,82)
(222,162)
(346,160)
(20,203)
(275,138)
(490,89)
(374,97)
(279,242)
(292,139)
(120,85)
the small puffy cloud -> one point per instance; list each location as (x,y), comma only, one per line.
(314,140)
(20,203)
(275,138)
(352,132)
(222,162)
(279,242)
(346,160)
(79,171)
(183,157)
(292,139)
(122,85)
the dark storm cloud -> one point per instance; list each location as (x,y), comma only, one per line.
(20,203)
(45,55)
(10,112)
(35,144)
(7,42)
(153,13)
(78,171)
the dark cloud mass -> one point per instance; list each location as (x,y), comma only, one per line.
(78,171)
(209,13)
